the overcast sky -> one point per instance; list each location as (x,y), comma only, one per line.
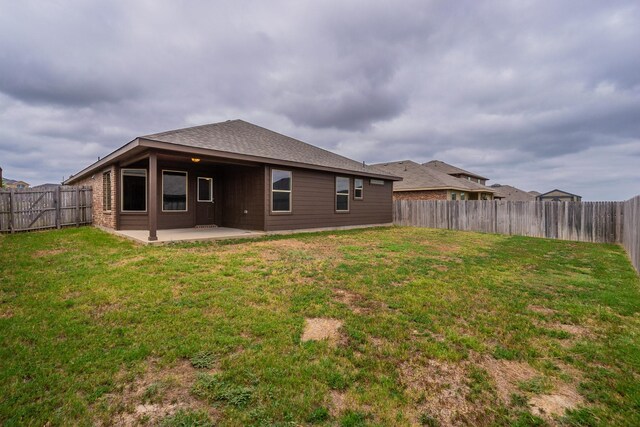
(536,94)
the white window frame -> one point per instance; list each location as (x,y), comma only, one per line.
(355,189)
(290,191)
(335,201)
(146,190)
(210,189)
(106,194)
(186,205)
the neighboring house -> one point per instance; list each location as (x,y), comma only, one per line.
(233,174)
(535,193)
(423,183)
(508,192)
(18,185)
(47,186)
(559,196)
(455,171)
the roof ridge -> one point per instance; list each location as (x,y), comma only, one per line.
(170,132)
(302,142)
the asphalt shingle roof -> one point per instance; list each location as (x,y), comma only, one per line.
(240,137)
(450,169)
(416,176)
(509,192)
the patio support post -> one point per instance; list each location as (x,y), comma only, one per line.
(153,196)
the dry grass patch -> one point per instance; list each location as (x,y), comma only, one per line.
(541,310)
(317,329)
(564,397)
(508,377)
(159,393)
(338,403)
(48,252)
(507,374)
(128,261)
(441,391)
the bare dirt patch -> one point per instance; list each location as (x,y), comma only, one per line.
(541,310)
(159,393)
(507,374)
(564,397)
(338,403)
(316,329)
(440,390)
(5,313)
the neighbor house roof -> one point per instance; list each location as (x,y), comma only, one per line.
(416,177)
(509,192)
(450,169)
(242,140)
(559,191)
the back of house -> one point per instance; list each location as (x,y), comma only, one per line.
(233,174)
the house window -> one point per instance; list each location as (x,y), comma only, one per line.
(106,191)
(463,196)
(134,190)
(358,188)
(453,196)
(342,193)
(281,190)
(205,189)
(174,191)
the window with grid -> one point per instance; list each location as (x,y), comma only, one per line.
(342,194)
(281,182)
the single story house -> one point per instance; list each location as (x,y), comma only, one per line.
(233,174)
(559,196)
(422,183)
(455,171)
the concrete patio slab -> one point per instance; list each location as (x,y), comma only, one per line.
(218,233)
(187,234)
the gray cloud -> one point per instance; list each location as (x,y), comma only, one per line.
(537,94)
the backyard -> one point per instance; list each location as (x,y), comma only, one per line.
(385,326)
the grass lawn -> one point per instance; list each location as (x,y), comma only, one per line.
(428,327)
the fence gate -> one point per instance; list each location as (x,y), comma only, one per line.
(35,209)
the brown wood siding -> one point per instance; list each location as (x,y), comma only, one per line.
(313,202)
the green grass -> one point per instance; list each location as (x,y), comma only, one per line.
(84,316)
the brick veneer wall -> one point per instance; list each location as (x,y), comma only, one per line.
(420,195)
(100,217)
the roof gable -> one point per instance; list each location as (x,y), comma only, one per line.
(441,166)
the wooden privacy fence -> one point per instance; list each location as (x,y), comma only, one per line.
(631,230)
(34,209)
(601,222)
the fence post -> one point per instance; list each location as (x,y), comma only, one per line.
(11,211)
(77,206)
(56,202)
